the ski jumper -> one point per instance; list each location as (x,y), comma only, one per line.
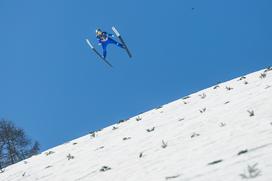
(105,39)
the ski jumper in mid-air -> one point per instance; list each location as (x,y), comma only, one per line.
(104,39)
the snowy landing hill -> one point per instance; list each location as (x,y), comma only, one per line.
(223,133)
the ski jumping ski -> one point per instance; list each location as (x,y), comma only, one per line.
(122,41)
(97,53)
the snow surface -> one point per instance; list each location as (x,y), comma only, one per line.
(220,133)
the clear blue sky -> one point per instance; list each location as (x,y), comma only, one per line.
(54,87)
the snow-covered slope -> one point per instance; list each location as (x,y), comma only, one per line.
(220,133)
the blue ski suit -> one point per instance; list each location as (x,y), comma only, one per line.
(104,39)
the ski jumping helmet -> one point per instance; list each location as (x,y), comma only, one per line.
(98,31)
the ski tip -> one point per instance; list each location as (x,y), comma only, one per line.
(115,31)
(89,43)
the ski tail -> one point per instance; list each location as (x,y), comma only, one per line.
(122,41)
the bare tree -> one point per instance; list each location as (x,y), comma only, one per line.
(14,144)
